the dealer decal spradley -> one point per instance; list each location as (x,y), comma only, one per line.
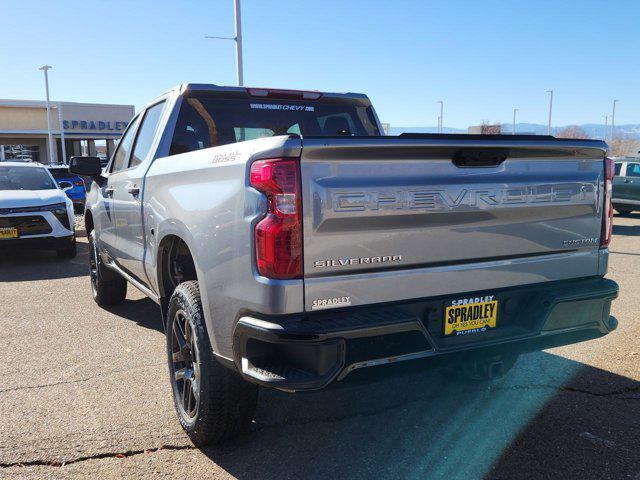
(94,125)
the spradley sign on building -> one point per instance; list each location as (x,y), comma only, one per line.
(96,118)
(117,126)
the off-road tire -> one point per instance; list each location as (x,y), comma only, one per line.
(67,248)
(226,403)
(107,287)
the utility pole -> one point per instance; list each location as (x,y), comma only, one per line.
(613,118)
(606,122)
(550,92)
(237,39)
(513,132)
(52,155)
(440,127)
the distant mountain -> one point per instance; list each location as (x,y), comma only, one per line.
(592,129)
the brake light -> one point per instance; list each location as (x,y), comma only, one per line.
(278,236)
(607,211)
(284,94)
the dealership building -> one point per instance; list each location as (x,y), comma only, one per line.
(77,129)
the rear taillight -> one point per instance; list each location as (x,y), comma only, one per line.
(278,236)
(607,211)
(284,94)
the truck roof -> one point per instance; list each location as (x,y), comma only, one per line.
(212,87)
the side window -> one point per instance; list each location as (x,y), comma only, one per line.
(339,124)
(124,146)
(146,134)
(250,133)
(618,168)
(195,129)
(633,169)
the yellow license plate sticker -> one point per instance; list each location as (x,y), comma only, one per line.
(8,232)
(470,315)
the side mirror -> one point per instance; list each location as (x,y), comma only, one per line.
(87,166)
(66,186)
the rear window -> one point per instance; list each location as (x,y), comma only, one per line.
(206,122)
(25,178)
(60,173)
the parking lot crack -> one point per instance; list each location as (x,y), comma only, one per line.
(79,380)
(563,388)
(98,456)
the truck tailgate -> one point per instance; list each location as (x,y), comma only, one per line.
(394,218)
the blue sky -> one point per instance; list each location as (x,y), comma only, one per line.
(483,58)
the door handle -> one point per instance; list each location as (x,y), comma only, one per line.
(109,191)
(628,181)
(133,189)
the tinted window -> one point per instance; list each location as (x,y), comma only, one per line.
(25,178)
(124,146)
(208,121)
(618,168)
(146,134)
(633,169)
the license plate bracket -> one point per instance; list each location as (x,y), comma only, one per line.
(470,315)
(8,232)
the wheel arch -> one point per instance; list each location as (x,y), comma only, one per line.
(175,263)
(88,222)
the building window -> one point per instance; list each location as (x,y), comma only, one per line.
(20,153)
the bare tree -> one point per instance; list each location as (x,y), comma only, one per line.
(624,145)
(573,131)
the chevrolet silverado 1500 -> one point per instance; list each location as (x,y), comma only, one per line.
(290,244)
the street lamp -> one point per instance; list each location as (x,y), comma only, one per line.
(513,132)
(613,118)
(550,92)
(237,39)
(440,118)
(45,68)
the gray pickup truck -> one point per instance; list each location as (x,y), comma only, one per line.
(291,245)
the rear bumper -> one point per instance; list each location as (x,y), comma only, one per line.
(310,352)
(44,243)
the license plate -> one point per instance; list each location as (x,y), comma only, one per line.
(470,315)
(8,232)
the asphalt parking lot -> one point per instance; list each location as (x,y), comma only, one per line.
(84,393)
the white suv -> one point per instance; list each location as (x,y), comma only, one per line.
(34,210)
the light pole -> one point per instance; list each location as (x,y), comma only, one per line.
(613,118)
(550,92)
(45,68)
(513,132)
(237,39)
(440,128)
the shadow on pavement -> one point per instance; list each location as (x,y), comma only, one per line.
(145,312)
(626,229)
(548,415)
(18,264)
(626,215)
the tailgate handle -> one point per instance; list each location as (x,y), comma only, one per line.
(480,157)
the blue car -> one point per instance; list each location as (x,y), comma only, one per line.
(76,192)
